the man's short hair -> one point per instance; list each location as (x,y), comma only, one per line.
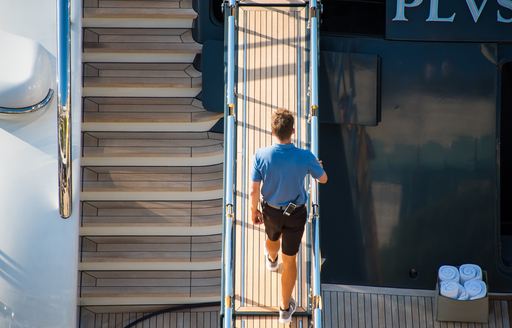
(282,123)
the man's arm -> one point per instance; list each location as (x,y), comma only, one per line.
(323,178)
(255,199)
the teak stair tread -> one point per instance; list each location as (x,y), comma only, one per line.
(151,117)
(144,47)
(136,300)
(157,13)
(138,17)
(141,82)
(151,139)
(136,90)
(207,218)
(176,52)
(153,291)
(150,196)
(122,104)
(138,151)
(138,265)
(141,229)
(149,160)
(150,122)
(146,257)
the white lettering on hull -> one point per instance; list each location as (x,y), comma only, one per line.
(507,4)
(474,9)
(434,13)
(400,9)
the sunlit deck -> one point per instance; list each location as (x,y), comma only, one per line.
(361,306)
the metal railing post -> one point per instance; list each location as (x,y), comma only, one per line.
(64,108)
(316,297)
(229,209)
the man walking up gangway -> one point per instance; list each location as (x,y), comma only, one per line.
(275,63)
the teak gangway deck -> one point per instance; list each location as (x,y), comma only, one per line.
(270,61)
(272,71)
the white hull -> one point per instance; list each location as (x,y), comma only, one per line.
(38,249)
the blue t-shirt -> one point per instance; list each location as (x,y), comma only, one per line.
(282,168)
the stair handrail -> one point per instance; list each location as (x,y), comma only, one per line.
(229,166)
(316,295)
(28,109)
(64,107)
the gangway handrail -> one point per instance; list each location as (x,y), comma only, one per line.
(64,107)
(316,297)
(229,167)
(28,109)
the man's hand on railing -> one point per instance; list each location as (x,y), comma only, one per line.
(323,178)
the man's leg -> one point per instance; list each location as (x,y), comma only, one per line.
(292,235)
(273,248)
(288,277)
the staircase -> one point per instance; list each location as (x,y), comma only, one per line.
(151,170)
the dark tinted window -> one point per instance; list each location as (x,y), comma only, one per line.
(216,9)
(361,17)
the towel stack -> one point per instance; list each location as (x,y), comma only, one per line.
(464,283)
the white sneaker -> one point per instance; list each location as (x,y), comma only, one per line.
(286,316)
(271,266)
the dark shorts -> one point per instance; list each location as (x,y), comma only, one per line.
(290,227)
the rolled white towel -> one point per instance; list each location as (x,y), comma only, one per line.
(450,289)
(469,272)
(463,294)
(448,273)
(476,289)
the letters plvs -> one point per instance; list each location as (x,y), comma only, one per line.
(475,8)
